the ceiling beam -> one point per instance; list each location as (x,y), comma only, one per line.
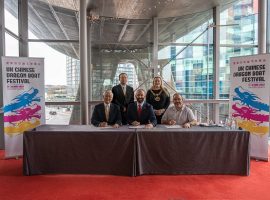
(123,31)
(43,22)
(61,27)
(144,30)
(76,12)
(167,25)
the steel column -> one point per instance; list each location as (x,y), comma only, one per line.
(83,64)
(155,47)
(23,27)
(2,53)
(262,23)
(216,50)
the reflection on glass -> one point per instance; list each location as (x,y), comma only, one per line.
(224,73)
(63,115)
(241,22)
(11,15)
(62,72)
(11,46)
(191,72)
(186,28)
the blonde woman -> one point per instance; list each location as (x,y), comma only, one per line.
(159,97)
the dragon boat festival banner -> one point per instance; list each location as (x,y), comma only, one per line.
(23,98)
(249,100)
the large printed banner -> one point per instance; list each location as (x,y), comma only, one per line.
(249,99)
(23,98)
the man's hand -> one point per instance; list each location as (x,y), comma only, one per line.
(103,124)
(124,109)
(115,126)
(135,123)
(171,122)
(149,126)
(187,125)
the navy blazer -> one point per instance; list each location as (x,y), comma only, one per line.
(147,114)
(120,99)
(99,116)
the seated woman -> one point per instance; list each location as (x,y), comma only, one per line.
(159,97)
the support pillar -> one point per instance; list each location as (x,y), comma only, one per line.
(23,27)
(216,50)
(2,53)
(262,26)
(155,47)
(83,64)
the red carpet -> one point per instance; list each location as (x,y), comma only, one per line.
(13,185)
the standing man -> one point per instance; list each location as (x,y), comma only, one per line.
(106,113)
(122,96)
(140,112)
(179,113)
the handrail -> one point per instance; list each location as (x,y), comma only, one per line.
(214,101)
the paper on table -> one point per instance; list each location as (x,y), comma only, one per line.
(174,126)
(140,126)
(106,127)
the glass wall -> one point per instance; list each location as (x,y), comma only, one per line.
(11,26)
(187,63)
(241,20)
(47,25)
(185,51)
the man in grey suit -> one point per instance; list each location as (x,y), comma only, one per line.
(106,113)
(123,95)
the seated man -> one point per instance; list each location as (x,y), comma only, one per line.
(179,114)
(107,113)
(140,112)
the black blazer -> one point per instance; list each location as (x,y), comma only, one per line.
(120,99)
(147,114)
(99,116)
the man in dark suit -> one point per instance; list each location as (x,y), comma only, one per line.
(140,112)
(123,95)
(106,113)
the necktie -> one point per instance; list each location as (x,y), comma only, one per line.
(107,110)
(124,90)
(139,110)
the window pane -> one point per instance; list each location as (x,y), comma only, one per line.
(64,114)
(11,45)
(131,72)
(186,28)
(11,15)
(224,76)
(62,72)
(191,72)
(106,64)
(241,22)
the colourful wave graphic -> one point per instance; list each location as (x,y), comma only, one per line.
(253,127)
(249,113)
(24,114)
(19,128)
(250,99)
(22,100)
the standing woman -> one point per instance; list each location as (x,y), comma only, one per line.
(159,97)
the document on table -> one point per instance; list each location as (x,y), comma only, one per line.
(106,127)
(140,126)
(174,126)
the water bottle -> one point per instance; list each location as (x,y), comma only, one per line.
(227,123)
(233,126)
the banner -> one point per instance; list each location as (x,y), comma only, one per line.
(249,99)
(23,99)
